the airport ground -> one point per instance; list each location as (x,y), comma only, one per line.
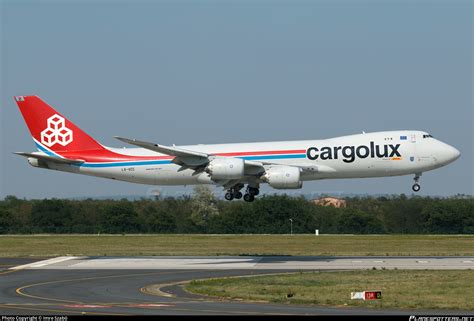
(143,283)
(222,244)
(409,289)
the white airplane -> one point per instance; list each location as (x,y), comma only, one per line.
(283,165)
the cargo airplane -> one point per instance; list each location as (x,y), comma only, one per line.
(65,147)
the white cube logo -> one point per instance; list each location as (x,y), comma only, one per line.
(56,122)
(64,136)
(56,132)
(48,137)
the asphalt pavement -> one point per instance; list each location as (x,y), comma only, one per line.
(153,285)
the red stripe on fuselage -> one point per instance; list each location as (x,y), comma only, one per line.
(268,152)
(105,155)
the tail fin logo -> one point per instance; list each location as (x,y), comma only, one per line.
(56,132)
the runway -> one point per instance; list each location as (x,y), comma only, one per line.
(152,285)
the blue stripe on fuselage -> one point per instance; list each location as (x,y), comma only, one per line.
(124,163)
(160,162)
(273,157)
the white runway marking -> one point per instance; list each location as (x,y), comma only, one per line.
(44,263)
(249,263)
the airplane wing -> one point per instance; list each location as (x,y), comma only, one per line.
(197,161)
(51,158)
(167,150)
(188,158)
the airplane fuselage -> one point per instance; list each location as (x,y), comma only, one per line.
(65,147)
(375,154)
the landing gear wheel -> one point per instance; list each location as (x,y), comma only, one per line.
(253,191)
(229,196)
(416,187)
(238,195)
(249,197)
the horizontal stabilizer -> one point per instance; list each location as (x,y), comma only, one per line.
(51,158)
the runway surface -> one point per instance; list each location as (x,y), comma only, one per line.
(152,285)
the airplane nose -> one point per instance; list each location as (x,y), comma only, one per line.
(449,154)
(455,153)
(444,154)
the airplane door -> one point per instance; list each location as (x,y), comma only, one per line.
(412,151)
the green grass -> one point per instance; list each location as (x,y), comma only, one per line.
(54,245)
(400,288)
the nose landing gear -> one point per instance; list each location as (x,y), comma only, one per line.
(416,187)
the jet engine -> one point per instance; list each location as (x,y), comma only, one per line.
(226,168)
(283,177)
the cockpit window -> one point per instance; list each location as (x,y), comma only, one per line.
(427,136)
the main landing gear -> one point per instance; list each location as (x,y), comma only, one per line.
(249,196)
(251,193)
(234,192)
(230,195)
(416,187)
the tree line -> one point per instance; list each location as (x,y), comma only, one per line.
(270,214)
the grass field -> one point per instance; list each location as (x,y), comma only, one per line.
(109,245)
(400,288)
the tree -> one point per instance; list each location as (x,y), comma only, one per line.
(358,222)
(120,217)
(6,221)
(161,216)
(449,216)
(203,206)
(51,216)
(202,213)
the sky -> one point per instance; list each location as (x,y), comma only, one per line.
(189,72)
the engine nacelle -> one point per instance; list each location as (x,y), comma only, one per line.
(283,177)
(226,168)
